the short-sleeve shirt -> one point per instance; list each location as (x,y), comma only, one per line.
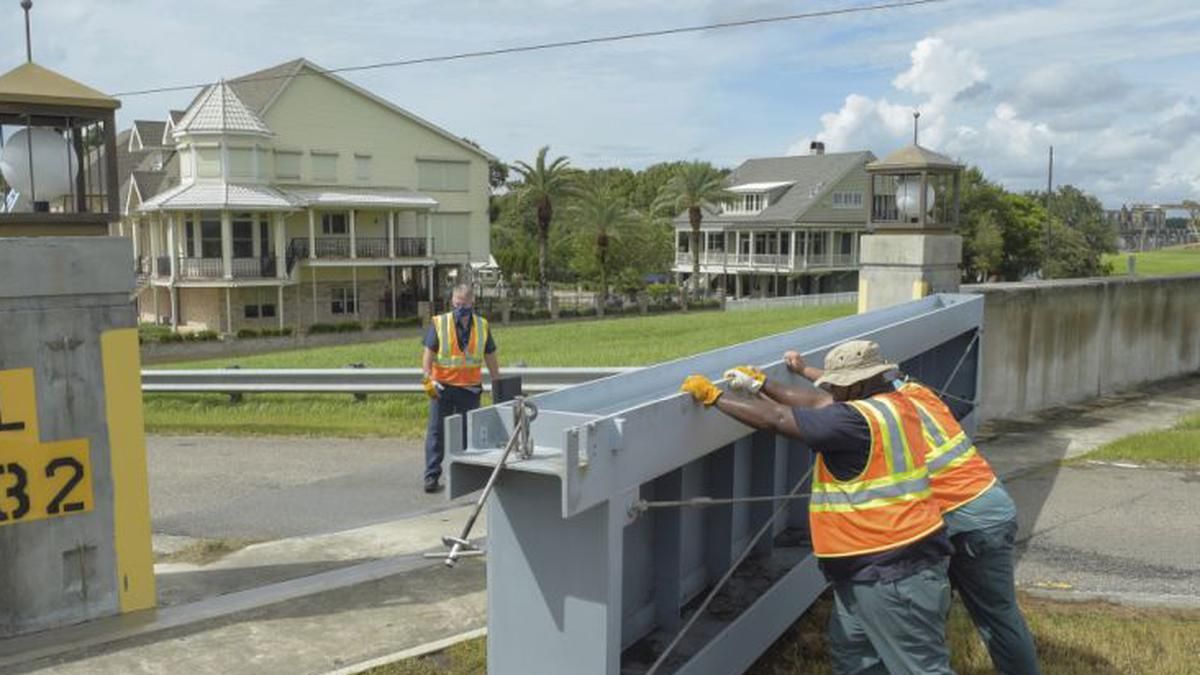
(840,433)
(464,337)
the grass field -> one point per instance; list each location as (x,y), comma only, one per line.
(1072,638)
(1178,446)
(1159,263)
(614,342)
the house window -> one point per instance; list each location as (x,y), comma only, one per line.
(251,311)
(342,301)
(241,162)
(682,241)
(287,165)
(818,243)
(334,223)
(362,167)
(442,176)
(716,241)
(210,239)
(189,238)
(847,200)
(264,238)
(324,167)
(243,236)
(753,203)
(845,243)
(260,304)
(208,162)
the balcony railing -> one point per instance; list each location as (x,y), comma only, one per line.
(365,247)
(769,260)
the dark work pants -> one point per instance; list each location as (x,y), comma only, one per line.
(451,401)
(891,627)
(981,570)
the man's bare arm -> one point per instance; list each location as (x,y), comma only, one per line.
(493,365)
(427,362)
(760,413)
(796,397)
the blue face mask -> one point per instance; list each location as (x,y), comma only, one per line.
(461,313)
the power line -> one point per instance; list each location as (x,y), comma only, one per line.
(619,37)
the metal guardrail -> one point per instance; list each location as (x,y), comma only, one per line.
(345,380)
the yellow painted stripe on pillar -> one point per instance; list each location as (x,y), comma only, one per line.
(131,488)
(862,294)
(920,289)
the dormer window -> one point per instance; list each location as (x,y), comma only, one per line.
(752,198)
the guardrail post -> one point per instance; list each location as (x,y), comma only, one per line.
(235,396)
(359,397)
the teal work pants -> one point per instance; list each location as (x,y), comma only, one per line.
(891,627)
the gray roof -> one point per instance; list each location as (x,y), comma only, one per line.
(811,176)
(150,132)
(220,110)
(914,157)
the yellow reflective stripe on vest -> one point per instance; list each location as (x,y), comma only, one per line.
(895,445)
(936,434)
(861,497)
(447,331)
(960,449)
(864,485)
(830,506)
(445,348)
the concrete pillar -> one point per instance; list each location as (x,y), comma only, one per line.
(901,267)
(70,408)
(279,305)
(313,271)
(428,243)
(353,237)
(228,310)
(226,245)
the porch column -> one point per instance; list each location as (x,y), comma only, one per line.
(393,271)
(753,243)
(429,246)
(430,268)
(807,246)
(173,298)
(391,227)
(171,248)
(312,234)
(281,271)
(154,245)
(279,306)
(313,271)
(829,247)
(792,250)
(256,251)
(353,246)
(226,245)
(354,289)
(228,310)
(137,245)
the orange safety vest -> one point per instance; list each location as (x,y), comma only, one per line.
(890,503)
(452,365)
(957,472)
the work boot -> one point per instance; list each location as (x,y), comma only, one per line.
(432,485)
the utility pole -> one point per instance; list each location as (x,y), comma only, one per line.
(1049,219)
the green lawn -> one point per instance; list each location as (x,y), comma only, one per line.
(1072,638)
(1178,446)
(1159,263)
(613,342)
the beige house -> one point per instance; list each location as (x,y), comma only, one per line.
(793,227)
(292,196)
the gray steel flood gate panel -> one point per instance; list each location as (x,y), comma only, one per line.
(581,583)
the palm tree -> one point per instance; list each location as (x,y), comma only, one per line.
(602,214)
(543,184)
(695,187)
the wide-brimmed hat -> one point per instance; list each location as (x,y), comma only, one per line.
(852,362)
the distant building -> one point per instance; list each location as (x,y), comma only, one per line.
(291,196)
(792,229)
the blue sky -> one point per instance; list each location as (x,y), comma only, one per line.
(1110,83)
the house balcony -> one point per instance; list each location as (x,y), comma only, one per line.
(212,269)
(371,248)
(715,261)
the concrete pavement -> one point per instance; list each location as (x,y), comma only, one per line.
(1088,529)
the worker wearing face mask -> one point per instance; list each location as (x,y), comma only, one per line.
(457,346)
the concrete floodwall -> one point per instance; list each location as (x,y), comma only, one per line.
(813,300)
(1052,343)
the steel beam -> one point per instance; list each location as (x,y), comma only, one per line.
(579,582)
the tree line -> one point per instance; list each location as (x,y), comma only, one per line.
(611,228)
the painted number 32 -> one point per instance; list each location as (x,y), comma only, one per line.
(17,503)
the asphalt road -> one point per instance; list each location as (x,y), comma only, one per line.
(269,488)
(1128,533)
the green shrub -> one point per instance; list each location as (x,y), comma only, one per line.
(276,332)
(402,322)
(169,338)
(247,334)
(321,328)
(203,336)
(349,327)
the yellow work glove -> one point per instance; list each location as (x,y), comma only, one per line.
(746,379)
(702,389)
(431,388)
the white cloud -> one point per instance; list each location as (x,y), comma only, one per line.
(939,70)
